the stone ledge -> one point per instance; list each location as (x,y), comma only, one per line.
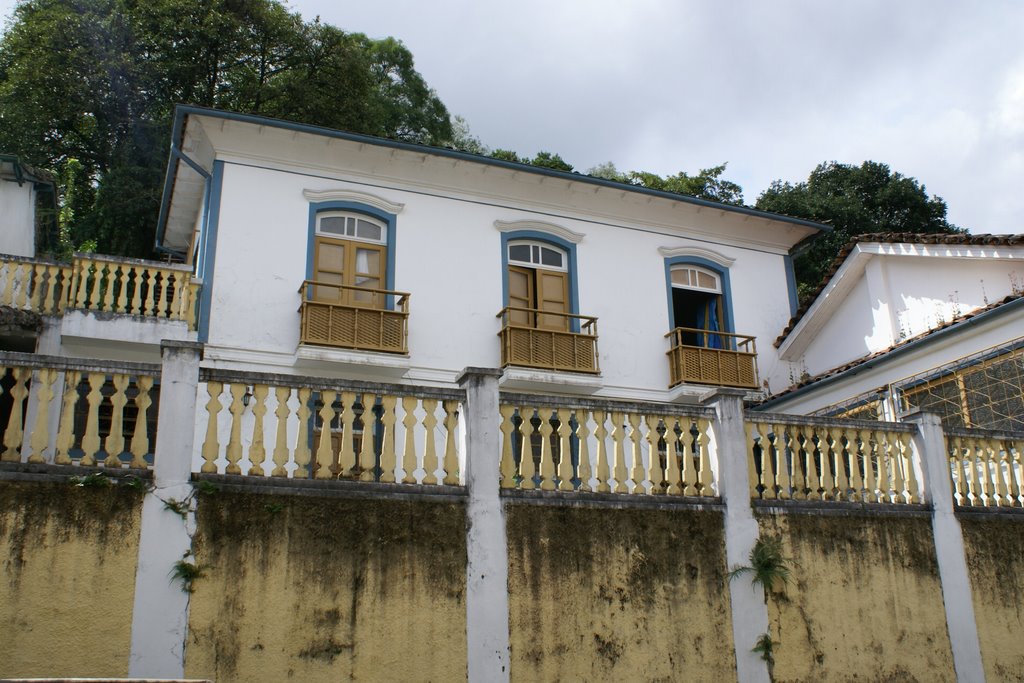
(335,488)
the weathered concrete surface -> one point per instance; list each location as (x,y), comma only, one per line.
(68,578)
(863,603)
(994,545)
(618,594)
(307,588)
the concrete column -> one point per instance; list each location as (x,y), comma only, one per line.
(486,545)
(729,462)
(930,450)
(47,344)
(160,612)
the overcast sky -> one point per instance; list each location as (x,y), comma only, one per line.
(934,88)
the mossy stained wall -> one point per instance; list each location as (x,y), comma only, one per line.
(994,546)
(68,585)
(606,594)
(863,603)
(326,589)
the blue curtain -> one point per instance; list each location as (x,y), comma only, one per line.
(714,340)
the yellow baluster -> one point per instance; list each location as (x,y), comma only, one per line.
(786,456)
(114,445)
(325,449)
(913,491)
(636,470)
(258,451)
(367,457)
(49,303)
(65,431)
(431,463)
(565,468)
(547,469)
(674,473)
(582,436)
(7,296)
(137,286)
(149,305)
(600,433)
(233,453)
(618,438)
(282,394)
(211,445)
(527,466)
(347,454)
(706,480)
(387,455)
(24,275)
(975,461)
(35,285)
(140,438)
(174,305)
(15,431)
(451,460)
(111,282)
(655,468)
(1012,480)
(193,298)
(122,288)
(772,455)
(756,443)
(408,464)
(302,451)
(897,466)
(91,438)
(96,293)
(508,463)
(43,385)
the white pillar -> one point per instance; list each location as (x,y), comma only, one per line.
(487,635)
(47,344)
(930,450)
(729,462)
(160,612)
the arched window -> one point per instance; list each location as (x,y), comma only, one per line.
(538,283)
(350,255)
(697,305)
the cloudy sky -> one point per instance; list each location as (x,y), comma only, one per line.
(934,88)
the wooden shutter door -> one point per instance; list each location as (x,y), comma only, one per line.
(553,296)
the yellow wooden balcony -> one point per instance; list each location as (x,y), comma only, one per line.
(526,345)
(693,358)
(354,317)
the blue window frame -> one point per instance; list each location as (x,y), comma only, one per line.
(540,239)
(699,298)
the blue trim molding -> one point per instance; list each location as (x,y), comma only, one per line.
(723,274)
(568,247)
(209,249)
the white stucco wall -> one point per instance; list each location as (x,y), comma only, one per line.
(17,219)
(448,256)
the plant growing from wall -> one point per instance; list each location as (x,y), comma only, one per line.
(187,572)
(768,568)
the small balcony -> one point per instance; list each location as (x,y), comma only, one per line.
(714,358)
(562,350)
(351,317)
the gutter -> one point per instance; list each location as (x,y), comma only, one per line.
(898,351)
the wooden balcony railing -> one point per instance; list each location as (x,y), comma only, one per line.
(549,349)
(695,358)
(354,317)
(99,283)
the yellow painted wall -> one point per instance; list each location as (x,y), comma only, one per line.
(603,594)
(994,547)
(328,589)
(863,602)
(68,579)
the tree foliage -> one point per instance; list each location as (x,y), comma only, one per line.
(853,200)
(87,88)
(706,184)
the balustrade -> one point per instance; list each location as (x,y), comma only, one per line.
(328,429)
(99,283)
(33,285)
(986,468)
(91,413)
(605,447)
(830,460)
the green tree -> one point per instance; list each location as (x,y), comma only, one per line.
(87,89)
(553,161)
(854,200)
